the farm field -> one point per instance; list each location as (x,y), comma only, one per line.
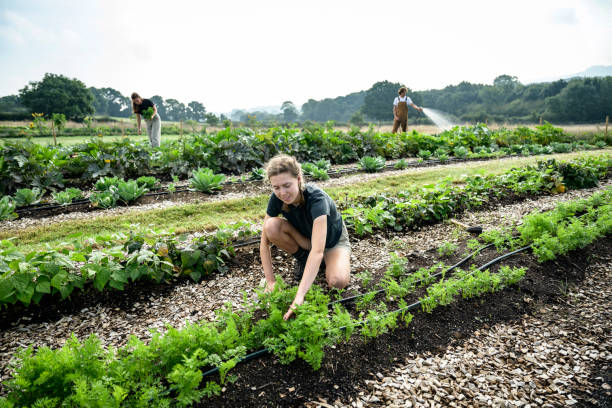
(576,130)
(530,329)
(72,140)
(190,212)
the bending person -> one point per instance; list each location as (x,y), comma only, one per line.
(140,107)
(312,230)
(400,110)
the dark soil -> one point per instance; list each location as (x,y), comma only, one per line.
(266,382)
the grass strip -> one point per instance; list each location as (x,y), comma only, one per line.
(209,215)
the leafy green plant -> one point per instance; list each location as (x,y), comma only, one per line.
(104,199)
(26,196)
(257,174)
(401,164)
(319,174)
(424,154)
(364,277)
(7,209)
(316,172)
(59,121)
(323,164)
(104,183)
(148,182)
(67,196)
(148,113)
(561,147)
(461,151)
(206,181)
(372,164)
(447,249)
(129,191)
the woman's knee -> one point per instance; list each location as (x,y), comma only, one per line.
(338,280)
(273,229)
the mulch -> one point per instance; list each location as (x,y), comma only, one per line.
(266,382)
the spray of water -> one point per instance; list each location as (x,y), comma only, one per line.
(439,119)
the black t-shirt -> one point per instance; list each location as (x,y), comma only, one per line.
(146,103)
(316,203)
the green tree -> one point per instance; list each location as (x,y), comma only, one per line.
(507,83)
(340,108)
(289,110)
(109,101)
(175,110)
(582,100)
(211,119)
(58,94)
(378,102)
(160,104)
(357,119)
(11,103)
(195,111)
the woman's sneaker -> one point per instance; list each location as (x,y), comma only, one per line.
(301,256)
(300,265)
(298,269)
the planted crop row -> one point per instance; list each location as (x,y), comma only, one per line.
(570,226)
(437,202)
(110,261)
(169,370)
(118,259)
(236,151)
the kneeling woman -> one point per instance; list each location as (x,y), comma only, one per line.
(312,230)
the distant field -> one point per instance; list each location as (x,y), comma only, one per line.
(70,140)
(427,129)
(431,129)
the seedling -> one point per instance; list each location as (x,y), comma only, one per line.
(447,249)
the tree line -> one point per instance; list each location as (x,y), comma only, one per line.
(59,94)
(578,100)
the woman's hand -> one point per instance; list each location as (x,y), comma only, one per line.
(269,287)
(291,310)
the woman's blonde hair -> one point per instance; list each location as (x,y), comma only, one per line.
(403,88)
(134,96)
(283,163)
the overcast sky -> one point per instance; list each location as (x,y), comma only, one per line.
(247,53)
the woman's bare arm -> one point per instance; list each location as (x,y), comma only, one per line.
(319,236)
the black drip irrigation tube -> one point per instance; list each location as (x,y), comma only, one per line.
(458,264)
(413,306)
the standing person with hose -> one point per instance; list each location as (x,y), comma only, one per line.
(312,230)
(147,109)
(400,110)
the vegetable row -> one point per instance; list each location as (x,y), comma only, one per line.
(170,369)
(118,259)
(110,191)
(26,164)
